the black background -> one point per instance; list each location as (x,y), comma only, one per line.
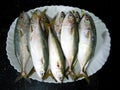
(9,10)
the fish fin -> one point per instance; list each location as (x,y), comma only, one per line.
(69,71)
(52,76)
(72,30)
(47,74)
(66,76)
(80,75)
(43,12)
(73,75)
(53,21)
(20,76)
(31,72)
(74,64)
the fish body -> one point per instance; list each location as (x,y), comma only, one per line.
(38,47)
(21,41)
(56,57)
(58,24)
(87,41)
(69,39)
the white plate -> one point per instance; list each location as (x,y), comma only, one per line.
(101,52)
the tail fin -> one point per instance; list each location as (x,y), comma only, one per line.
(31,72)
(20,76)
(83,74)
(69,71)
(47,74)
(24,75)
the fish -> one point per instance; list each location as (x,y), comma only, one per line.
(44,21)
(21,43)
(77,16)
(44,18)
(56,57)
(87,42)
(69,41)
(38,47)
(58,23)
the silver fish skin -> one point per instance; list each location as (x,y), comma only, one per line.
(87,41)
(38,47)
(58,23)
(56,57)
(69,38)
(21,41)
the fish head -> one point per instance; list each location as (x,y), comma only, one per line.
(86,21)
(61,16)
(69,19)
(37,11)
(45,19)
(77,16)
(23,20)
(24,17)
(34,19)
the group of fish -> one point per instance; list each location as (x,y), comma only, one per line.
(54,45)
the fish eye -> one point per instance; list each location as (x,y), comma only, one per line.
(87,21)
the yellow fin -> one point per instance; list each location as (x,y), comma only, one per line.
(83,75)
(47,74)
(22,75)
(31,72)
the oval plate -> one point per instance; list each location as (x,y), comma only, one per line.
(101,52)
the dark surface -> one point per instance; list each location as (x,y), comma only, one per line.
(102,80)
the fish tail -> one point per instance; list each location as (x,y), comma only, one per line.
(31,72)
(70,71)
(47,74)
(72,75)
(20,76)
(85,75)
